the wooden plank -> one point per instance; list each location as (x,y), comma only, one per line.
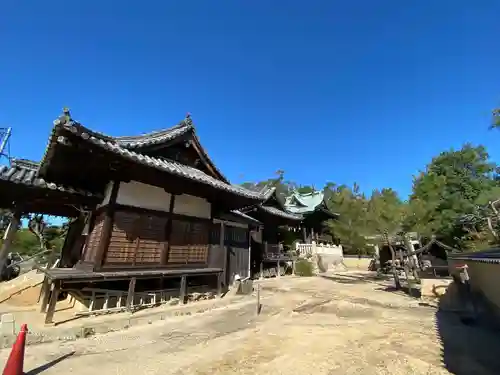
(44,294)
(182,293)
(107,228)
(131,292)
(219,285)
(14,224)
(168,230)
(49,316)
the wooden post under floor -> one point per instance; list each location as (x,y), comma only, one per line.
(293,267)
(261,270)
(219,285)
(9,237)
(51,309)
(130,293)
(182,293)
(278,269)
(45,294)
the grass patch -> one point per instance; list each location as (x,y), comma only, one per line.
(304,268)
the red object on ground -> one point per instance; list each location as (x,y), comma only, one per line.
(462,266)
(15,363)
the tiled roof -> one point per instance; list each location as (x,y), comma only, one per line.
(304,203)
(485,256)
(245,216)
(25,172)
(278,212)
(268,192)
(162,164)
(155,137)
(166,135)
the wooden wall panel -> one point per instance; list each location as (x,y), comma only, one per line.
(94,237)
(236,241)
(189,241)
(136,239)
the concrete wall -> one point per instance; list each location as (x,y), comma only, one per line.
(484,278)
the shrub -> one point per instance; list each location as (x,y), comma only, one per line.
(304,268)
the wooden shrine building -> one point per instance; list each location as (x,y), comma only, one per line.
(152,211)
(23,192)
(266,244)
(312,206)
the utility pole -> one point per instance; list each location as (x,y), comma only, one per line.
(5,134)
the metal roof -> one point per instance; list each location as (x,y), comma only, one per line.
(304,203)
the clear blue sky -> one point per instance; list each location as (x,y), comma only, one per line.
(342,91)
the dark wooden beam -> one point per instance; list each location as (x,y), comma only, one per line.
(15,222)
(91,220)
(49,316)
(107,228)
(182,292)
(45,294)
(168,231)
(219,285)
(130,294)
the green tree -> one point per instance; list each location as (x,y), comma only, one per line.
(351,228)
(448,189)
(386,212)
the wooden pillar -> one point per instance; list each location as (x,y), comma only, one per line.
(250,254)
(130,294)
(293,267)
(304,234)
(182,292)
(261,270)
(278,269)
(44,294)
(107,227)
(222,244)
(219,285)
(168,231)
(49,316)
(9,236)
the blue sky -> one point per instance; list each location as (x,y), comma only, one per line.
(341,91)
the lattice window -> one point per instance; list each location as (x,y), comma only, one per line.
(137,239)
(189,241)
(236,237)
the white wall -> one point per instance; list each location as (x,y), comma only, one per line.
(231,223)
(257,235)
(137,194)
(107,194)
(192,206)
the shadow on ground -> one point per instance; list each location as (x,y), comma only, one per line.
(412,292)
(470,342)
(48,365)
(355,279)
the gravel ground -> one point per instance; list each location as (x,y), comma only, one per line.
(342,325)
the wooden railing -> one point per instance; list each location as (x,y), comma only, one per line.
(310,249)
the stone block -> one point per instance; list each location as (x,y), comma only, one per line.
(7,324)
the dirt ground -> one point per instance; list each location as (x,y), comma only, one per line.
(337,324)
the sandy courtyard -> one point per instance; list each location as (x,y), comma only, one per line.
(339,324)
